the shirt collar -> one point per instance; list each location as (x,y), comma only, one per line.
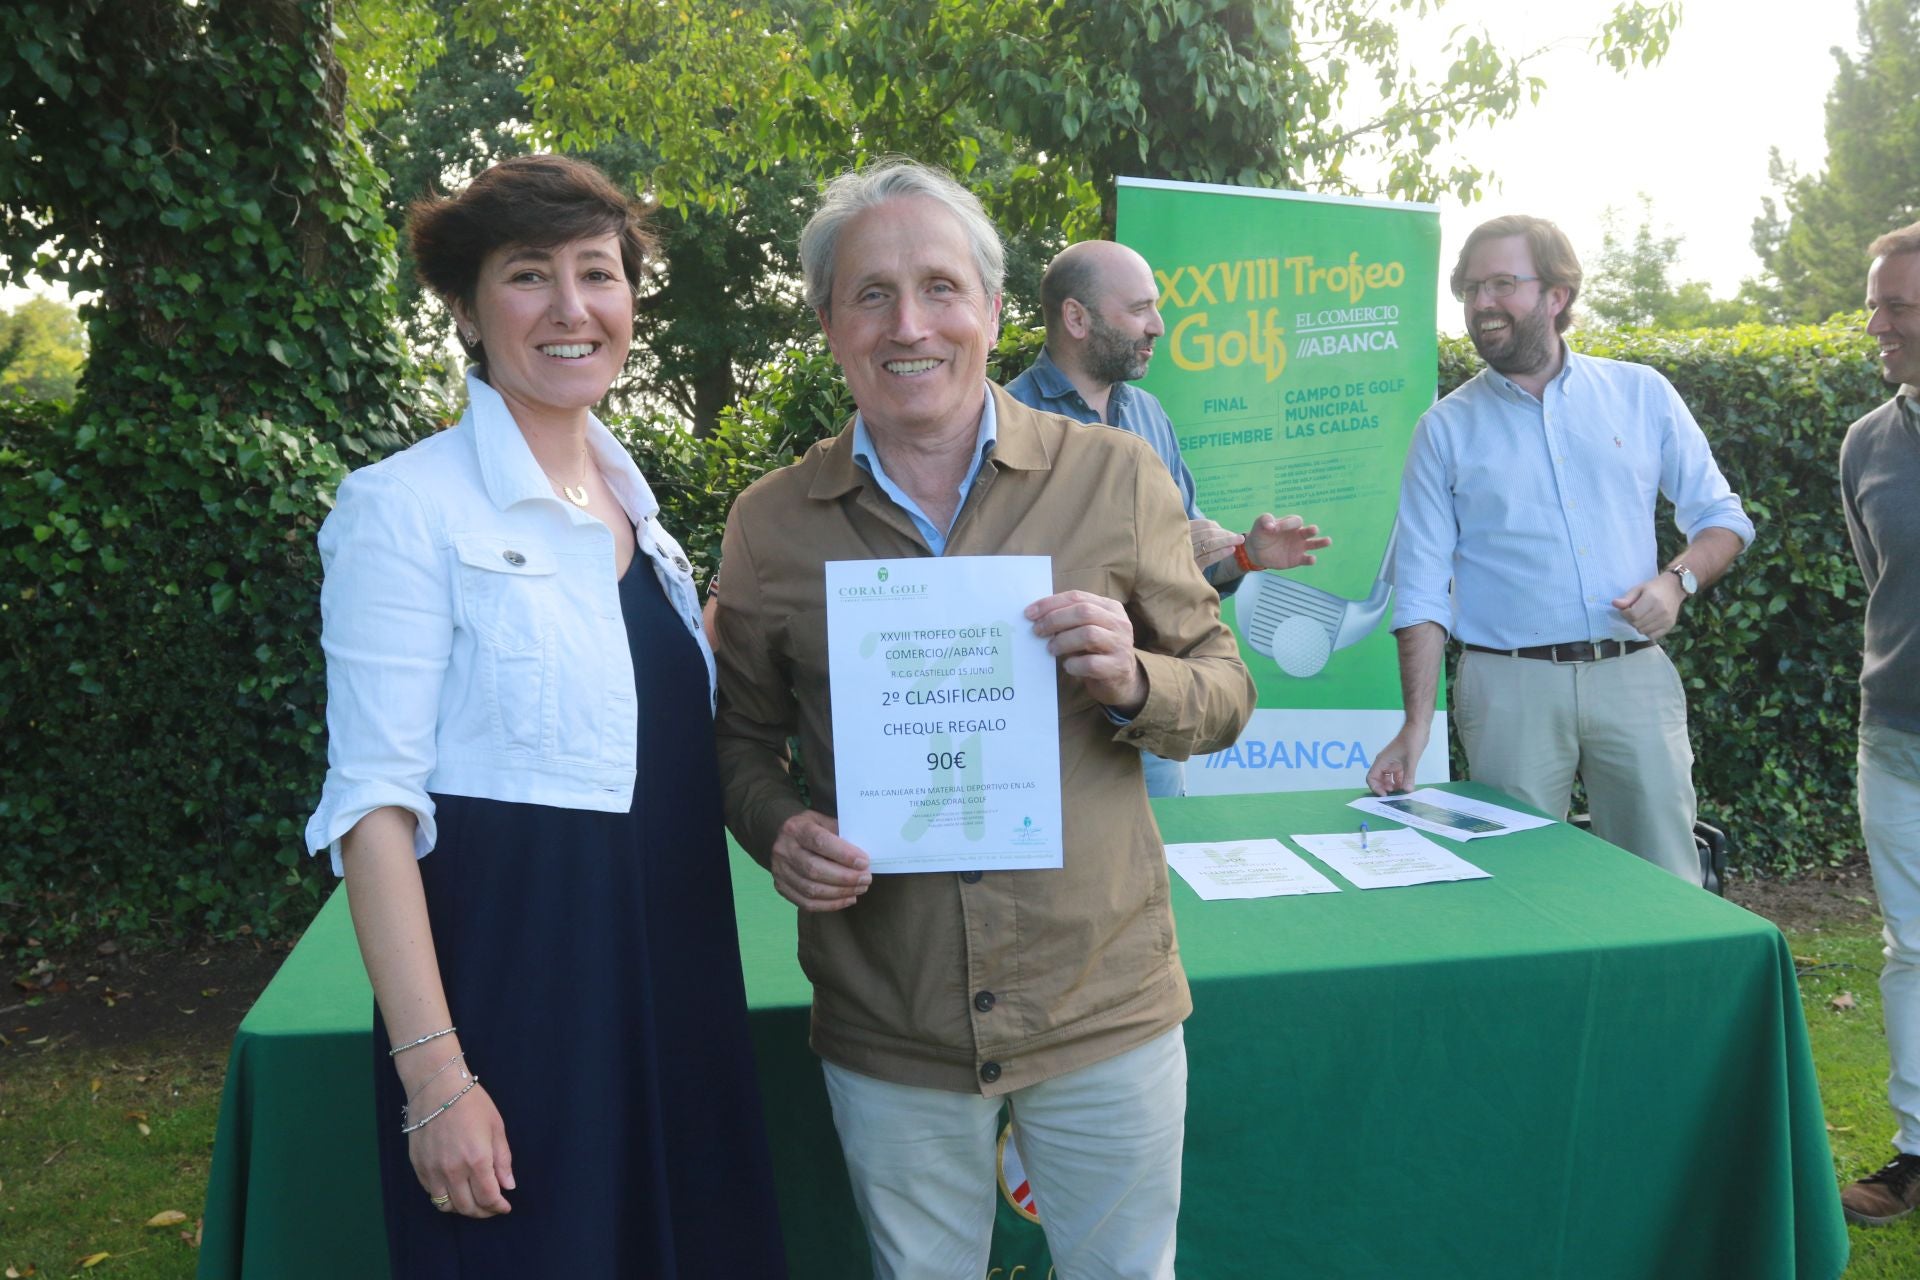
(868,457)
(1056,385)
(1048,377)
(512,475)
(1016,447)
(1514,391)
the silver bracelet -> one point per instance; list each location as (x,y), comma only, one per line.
(436,1113)
(430,1079)
(415,1044)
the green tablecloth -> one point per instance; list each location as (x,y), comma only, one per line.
(1578,1068)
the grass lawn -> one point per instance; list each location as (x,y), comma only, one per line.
(1850,1053)
(79,1177)
(92,1146)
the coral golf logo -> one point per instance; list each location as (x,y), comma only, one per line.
(1013,1177)
(882,573)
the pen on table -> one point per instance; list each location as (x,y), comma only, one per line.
(1363,835)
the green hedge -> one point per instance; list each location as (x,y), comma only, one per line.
(1771,655)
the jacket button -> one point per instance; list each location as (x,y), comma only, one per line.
(970,877)
(513,558)
(983,1001)
(989,1072)
(680,563)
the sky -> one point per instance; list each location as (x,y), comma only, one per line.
(1693,132)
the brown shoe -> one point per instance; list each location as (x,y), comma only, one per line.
(1889,1193)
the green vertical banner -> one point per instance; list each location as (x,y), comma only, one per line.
(1301,348)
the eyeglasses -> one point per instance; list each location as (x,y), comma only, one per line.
(1498,286)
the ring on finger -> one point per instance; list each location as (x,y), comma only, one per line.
(442,1200)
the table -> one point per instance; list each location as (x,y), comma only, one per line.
(1578,1068)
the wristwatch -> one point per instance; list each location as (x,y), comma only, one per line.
(1688,583)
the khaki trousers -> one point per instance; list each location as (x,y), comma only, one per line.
(1619,724)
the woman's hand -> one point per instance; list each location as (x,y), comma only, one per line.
(463,1153)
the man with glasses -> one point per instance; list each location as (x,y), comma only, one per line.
(1529,491)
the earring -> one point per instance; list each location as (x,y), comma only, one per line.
(471,339)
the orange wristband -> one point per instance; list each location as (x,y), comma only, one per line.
(1241,558)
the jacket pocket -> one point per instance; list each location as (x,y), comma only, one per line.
(509,594)
(507,590)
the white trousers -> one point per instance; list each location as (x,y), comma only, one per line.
(1529,726)
(1101,1147)
(1890,820)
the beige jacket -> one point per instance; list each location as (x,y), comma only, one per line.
(998,981)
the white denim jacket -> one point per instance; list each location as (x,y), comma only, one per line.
(472,626)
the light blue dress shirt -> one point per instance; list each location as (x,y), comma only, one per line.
(869,457)
(1541,512)
(1045,388)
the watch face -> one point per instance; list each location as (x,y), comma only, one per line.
(1689,583)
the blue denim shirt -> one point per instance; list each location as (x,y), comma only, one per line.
(1044,387)
(1539,513)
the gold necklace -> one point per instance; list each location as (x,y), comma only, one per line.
(576,494)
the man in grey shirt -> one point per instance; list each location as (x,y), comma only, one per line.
(1102,312)
(1879,476)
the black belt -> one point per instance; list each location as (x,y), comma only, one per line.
(1578,651)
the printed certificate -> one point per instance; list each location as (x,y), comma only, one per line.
(946,713)
(1245,869)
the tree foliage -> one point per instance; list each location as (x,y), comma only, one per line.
(721,302)
(1631,284)
(42,349)
(726,115)
(1814,240)
(1253,92)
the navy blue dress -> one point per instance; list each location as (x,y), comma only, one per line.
(592,964)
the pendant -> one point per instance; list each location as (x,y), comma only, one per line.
(577,496)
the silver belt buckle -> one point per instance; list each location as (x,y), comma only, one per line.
(1558,661)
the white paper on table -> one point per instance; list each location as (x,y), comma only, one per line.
(1246,869)
(1446,814)
(1390,860)
(946,713)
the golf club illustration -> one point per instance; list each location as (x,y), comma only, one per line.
(1299,626)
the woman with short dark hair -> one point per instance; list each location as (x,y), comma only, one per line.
(521,791)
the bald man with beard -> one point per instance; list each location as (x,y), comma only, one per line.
(1102,312)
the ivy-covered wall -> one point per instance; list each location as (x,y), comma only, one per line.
(160,692)
(1771,654)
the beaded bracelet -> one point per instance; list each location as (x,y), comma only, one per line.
(438,1111)
(1241,558)
(415,1044)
